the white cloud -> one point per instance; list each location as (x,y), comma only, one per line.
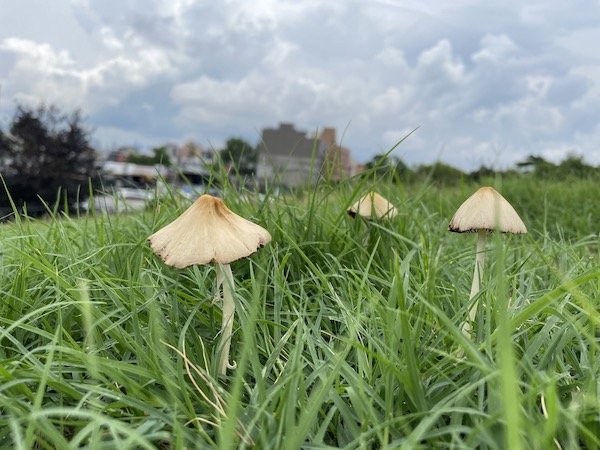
(110,40)
(392,57)
(43,74)
(495,48)
(488,83)
(439,62)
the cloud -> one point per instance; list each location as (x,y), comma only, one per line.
(42,73)
(487,83)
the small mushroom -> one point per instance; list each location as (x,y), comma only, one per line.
(373,206)
(483,212)
(208,232)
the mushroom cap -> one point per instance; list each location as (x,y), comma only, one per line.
(207,232)
(487,210)
(373,205)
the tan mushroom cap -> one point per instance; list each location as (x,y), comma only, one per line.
(207,232)
(373,205)
(487,210)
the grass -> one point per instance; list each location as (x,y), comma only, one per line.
(347,333)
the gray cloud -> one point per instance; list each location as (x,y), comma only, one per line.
(487,83)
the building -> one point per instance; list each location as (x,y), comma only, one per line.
(193,163)
(189,164)
(288,157)
(291,158)
(337,162)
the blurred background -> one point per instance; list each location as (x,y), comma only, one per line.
(489,85)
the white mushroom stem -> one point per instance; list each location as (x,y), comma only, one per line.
(219,279)
(226,278)
(479,263)
(477,274)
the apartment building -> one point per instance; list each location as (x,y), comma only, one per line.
(288,157)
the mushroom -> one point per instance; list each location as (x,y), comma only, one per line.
(483,212)
(372,205)
(208,232)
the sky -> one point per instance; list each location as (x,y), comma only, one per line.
(485,82)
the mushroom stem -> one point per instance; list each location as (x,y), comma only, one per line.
(219,280)
(228,313)
(479,263)
(477,274)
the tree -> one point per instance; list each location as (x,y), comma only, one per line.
(381,164)
(44,154)
(482,173)
(439,173)
(160,156)
(574,166)
(538,165)
(384,165)
(240,155)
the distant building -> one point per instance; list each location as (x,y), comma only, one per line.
(291,158)
(193,162)
(121,154)
(357,168)
(192,152)
(287,156)
(120,173)
(337,162)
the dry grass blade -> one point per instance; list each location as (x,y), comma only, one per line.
(218,402)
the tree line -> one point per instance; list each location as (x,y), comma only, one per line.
(242,157)
(47,160)
(572,166)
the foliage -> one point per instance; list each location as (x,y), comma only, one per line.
(538,165)
(573,166)
(160,156)
(240,156)
(391,168)
(45,152)
(348,333)
(440,173)
(386,168)
(482,173)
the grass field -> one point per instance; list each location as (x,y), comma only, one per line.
(347,334)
